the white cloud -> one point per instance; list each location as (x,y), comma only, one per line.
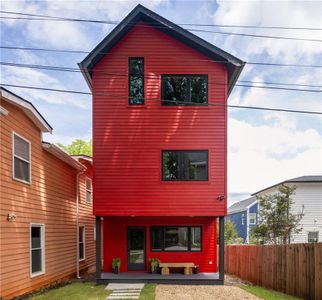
(273,13)
(31,77)
(71,35)
(260,156)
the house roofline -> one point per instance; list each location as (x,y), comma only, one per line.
(234,65)
(294,180)
(63,156)
(30,110)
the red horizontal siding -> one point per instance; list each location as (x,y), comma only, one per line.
(114,241)
(128,140)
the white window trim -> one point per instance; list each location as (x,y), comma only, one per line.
(88,190)
(252,223)
(242,219)
(42,242)
(13,158)
(84,242)
(309,231)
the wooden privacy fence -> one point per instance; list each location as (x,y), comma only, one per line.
(294,269)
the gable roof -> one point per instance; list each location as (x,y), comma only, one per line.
(141,13)
(307,179)
(27,107)
(241,205)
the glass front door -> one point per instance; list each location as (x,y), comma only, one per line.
(136,248)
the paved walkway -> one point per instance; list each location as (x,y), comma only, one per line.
(124,290)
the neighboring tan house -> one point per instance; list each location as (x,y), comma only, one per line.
(308,194)
(47,228)
(244,214)
(159,147)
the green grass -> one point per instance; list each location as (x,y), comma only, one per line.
(86,291)
(148,292)
(73,291)
(266,293)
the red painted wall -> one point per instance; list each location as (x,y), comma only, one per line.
(114,241)
(128,140)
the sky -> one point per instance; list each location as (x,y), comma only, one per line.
(263,147)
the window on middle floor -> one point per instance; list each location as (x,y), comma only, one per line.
(184,89)
(185,165)
(136,81)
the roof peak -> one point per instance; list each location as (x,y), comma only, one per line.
(141,13)
(29,109)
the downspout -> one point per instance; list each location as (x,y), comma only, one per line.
(77,224)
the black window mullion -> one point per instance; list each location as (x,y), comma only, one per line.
(189,238)
(181,166)
(163,238)
(189,89)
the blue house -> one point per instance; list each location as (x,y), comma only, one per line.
(244,214)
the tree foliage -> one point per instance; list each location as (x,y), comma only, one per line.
(277,222)
(231,235)
(78,147)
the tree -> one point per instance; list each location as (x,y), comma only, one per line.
(78,147)
(276,221)
(231,235)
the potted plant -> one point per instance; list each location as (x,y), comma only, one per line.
(154,265)
(196,269)
(116,263)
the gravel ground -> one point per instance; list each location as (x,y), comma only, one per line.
(201,292)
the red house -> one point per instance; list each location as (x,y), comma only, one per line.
(159,147)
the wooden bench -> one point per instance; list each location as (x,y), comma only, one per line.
(186,265)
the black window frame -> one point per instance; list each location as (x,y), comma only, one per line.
(129,80)
(163,227)
(167,103)
(181,166)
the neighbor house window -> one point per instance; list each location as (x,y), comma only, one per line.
(81,242)
(187,165)
(184,89)
(243,219)
(313,237)
(21,159)
(37,236)
(88,190)
(252,218)
(136,80)
(175,238)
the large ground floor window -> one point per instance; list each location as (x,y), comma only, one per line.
(176,238)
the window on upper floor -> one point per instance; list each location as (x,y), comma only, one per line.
(185,165)
(176,238)
(252,218)
(313,236)
(184,89)
(136,81)
(88,190)
(21,159)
